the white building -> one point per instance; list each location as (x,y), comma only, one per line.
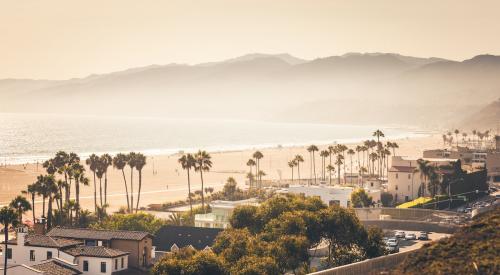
(404,179)
(221,212)
(45,253)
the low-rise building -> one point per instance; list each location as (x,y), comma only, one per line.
(172,238)
(221,212)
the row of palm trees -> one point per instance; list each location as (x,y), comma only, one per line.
(199,162)
(474,139)
(255,179)
(372,158)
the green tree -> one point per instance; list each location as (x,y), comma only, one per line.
(251,163)
(359,198)
(386,199)
(188,162)
(312,149)
(131,222)
(203,164)
(7,217)
(21,204)
(253,265)
(298,160)
(258,156)
(119,162)
(32,190)
(245,216)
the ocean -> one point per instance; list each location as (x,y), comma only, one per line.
(35,137)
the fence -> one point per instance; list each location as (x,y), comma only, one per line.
(410,214)
(370,266)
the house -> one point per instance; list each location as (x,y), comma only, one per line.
(138,244)
(48,254)
(221,212)
(171,238)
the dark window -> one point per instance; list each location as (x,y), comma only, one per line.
(90,242)
(9,253)
(122,261)
(85,265)
(49,255)
(396,187)
(409,176)
(371,184)
(103,267)
(32,255)
(396,175)
(116,263)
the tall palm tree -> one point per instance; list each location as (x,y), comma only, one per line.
(424,168)
(132,160)
(106,162)
(93,162)
(50,190)
(73,159)
(324,154)
(100,173)
(250,163)
(291,164)
(80,178)
(258,156)
(378,134)
(312,149)
(373,157)
(464,137)
(456,135)
(203,163)
(21,204)
(32,191)
(339,161)
(7,217)
(298,160)
(330,170)
(188,162)
(71,206)
(119,162)
(331,152)
(351,153)
(139,165)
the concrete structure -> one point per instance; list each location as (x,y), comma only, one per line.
(493,167)
(221,212)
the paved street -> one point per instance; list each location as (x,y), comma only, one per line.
(406,245)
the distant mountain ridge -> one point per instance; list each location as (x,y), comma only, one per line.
(405,89)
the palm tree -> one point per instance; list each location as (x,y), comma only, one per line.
(21,204)
(312,151)
(258,156)
(139,165)
(71,206)
(373,157)
(119,162)
(351,153)
(423,167)
(341,148)
(324,154)
(456,135)
(464,137)
(7,217)
(378,134)
(298,160)
(203,163)
(331,152)
(100,174)
(330,170)
(106,162)
(32,191)
(93,161)
(339,162)
(187,162)
(132,159)
(250,163)
(80,178)
(291,164)
(175,219)
(50,190)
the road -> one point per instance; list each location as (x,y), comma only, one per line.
(407,245)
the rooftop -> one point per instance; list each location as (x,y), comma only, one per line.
(95,251)
(97,234)
(404,169)
(182,236)
(47,241)
(56,267)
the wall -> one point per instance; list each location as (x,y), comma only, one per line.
(135,248)
(95,265)
(411,226)
(21,254)
(326,193)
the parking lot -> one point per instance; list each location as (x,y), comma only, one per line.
(406,245)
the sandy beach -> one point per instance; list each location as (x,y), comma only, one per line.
(169,183)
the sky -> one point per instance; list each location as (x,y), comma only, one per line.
(60,39)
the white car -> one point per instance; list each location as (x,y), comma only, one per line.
(392,242)
(411,236)
(400,234)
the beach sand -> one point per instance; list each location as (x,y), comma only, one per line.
(170,181)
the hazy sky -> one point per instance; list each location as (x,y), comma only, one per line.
(64,39)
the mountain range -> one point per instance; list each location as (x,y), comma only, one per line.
(352,88)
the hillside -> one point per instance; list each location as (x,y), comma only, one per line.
(473,250)
(487,118)
(352,88)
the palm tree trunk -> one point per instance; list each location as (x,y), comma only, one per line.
(100,190)
(189,193)
(106,188)
(202,193)
(95,195)
(292,173)
(77,195)
(49,214)
(6,239)
(298,170)
(131,189)
(126,189)
(33,204)
(139,191)
(43,204)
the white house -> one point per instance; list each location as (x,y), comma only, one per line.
(221,212)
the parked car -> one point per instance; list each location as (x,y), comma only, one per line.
(411,236)
(423,236)
(392,241)
(392,248)
(400,234)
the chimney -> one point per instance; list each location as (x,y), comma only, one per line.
(40,226)
(21,233)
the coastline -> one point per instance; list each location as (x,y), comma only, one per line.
(169,183)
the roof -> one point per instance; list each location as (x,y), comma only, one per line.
(404,169)
(46,241)
(97,234)
(95,251)
(56,267)
(182,236)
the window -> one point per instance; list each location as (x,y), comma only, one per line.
(49,255)
(85,265)
(409,176)
(122,261)
(116,263)
(103,267)
(371,184)
(396,175)
(90,242)
(9,253)
(396,187)
(32,255)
